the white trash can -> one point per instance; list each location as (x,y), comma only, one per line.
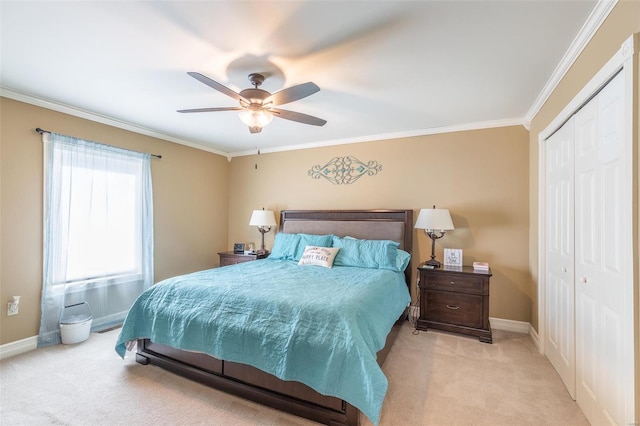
(75,323)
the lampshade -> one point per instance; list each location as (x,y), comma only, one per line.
(262,218)
(434,220)
(255,117)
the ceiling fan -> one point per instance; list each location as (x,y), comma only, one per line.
(257,105)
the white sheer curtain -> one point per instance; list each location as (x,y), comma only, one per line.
(98,231)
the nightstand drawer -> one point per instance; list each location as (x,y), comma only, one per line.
(454,308)
(455,282)
(455,300)
(230,258)
(226,261)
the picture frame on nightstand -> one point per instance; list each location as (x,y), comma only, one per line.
(453,257)
(238,248)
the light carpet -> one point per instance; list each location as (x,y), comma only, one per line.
(434,379)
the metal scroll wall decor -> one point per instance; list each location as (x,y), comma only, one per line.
(345,170)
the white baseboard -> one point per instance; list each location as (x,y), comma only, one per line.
(510,325)
(18,347)
(516,327)
(534,337)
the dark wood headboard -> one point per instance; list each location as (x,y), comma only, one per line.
(396,225)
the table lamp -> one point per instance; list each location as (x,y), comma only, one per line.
(434,222)
(264,220)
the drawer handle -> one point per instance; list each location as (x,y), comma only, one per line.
(452,282)
(453,307)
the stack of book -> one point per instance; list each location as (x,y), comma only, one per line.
(481,266)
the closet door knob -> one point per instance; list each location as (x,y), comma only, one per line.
(564,269)
(584,280)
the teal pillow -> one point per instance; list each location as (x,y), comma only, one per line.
(402,260)
(285,246)
(305,240)
(374,254)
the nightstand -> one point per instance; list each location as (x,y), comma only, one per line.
(231,258)
(455,300)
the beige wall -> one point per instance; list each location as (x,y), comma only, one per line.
(190,205)
(623,21)
(480,176)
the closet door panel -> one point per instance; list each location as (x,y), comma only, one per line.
(589,324)
(559,299)
(612,242)
(587,379)
(602,218)
(587,212)
(614,178)
(613,371)
(615,227)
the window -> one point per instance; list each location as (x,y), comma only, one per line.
(98,238)
(100,232)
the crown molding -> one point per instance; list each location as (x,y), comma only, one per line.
(593,23)
(387,136)
(598,81)
(89,115)
(77,112)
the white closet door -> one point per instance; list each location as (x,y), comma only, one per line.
(560,298)
(602,213)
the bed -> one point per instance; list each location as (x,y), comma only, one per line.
(308,352)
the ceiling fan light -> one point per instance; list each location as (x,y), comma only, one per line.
(255,117)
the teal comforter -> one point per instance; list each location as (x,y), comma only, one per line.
(318,326)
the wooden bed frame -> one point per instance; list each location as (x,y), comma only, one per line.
(253,384)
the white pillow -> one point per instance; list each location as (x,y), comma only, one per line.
(319,256)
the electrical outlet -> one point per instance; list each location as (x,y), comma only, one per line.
(13,307)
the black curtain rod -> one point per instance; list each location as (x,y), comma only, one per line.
(41,131)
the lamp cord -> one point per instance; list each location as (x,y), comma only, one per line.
(414,312)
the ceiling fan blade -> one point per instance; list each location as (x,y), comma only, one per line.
(215,85)
(292,93)
(298,116)
(210,109)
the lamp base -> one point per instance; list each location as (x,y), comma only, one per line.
(433,263)
(431,234)
(263,252)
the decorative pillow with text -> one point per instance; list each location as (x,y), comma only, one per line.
(318,256)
